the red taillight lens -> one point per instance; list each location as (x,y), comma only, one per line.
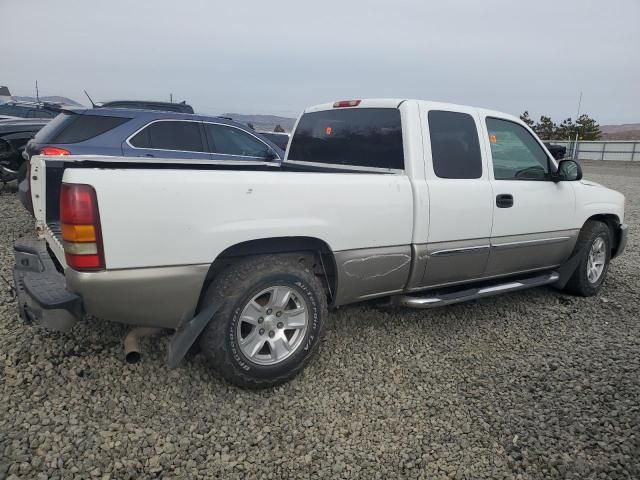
(78,205)
(84,262)
(54,151)
(346,103)
(81,235)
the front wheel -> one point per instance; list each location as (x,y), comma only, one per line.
(595,244)
(269,324)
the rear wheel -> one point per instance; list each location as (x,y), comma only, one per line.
(595,244)
(269,324)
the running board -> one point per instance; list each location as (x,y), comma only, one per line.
(474,293)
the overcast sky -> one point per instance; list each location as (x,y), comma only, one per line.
(279,56)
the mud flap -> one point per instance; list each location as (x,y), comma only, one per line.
(185,336)
(567,269)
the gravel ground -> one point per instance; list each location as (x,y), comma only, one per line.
(535,384)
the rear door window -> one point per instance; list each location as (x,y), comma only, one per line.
(361,137)
(170,135)
(226,140)
(79,128)
(455,148)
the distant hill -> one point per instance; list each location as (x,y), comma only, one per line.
(626,131)
(51,98)
(263,122)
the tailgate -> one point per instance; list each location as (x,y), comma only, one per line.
(46,178)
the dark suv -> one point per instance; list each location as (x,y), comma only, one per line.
(146,133)
(30,109)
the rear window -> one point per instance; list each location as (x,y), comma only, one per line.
(75,128)
(363,137)
(455,148)
(170,135)
(46,133)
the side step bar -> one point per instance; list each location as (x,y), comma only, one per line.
(474,293)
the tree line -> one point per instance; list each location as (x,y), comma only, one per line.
(585,126)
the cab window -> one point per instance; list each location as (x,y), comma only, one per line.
(516,153)
(455,148)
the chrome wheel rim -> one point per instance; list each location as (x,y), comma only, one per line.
(272,325)
(596,260)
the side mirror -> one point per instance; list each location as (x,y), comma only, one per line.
(271,156)
(558,151)
(568,170)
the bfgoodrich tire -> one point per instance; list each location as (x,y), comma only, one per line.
(270,322)
(594,245)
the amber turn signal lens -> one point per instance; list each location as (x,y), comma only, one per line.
(78,233)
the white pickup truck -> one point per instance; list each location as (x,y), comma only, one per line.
(425,203)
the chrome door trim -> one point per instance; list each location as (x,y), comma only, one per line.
(458,251)
(538,241)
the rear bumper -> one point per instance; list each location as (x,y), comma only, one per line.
(43,298)
(164,297)
(622,236)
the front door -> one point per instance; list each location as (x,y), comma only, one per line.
(532,219)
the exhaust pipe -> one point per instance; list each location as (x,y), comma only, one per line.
(132,351)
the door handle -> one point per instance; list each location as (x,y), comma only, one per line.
(504,200)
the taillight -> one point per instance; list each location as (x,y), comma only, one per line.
(81,235)
(54,151)
(346,103)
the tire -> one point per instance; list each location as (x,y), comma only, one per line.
(590,237)
(248,290)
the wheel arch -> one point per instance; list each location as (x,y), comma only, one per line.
(612,221)
(315,252)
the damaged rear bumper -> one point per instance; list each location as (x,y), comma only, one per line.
(43,297)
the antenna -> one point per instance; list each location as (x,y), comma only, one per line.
(575,145)
(92,104)
(37,93)
(171,97)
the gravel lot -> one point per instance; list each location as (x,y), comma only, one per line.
(535,384)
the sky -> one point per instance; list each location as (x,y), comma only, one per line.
(278,57)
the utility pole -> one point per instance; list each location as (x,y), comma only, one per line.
(37,93)
(575,145)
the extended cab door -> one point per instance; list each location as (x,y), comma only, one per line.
(460,195)
(533,216)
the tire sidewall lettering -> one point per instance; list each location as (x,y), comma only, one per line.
(238,358)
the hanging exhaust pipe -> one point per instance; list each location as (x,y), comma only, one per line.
(132,351)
